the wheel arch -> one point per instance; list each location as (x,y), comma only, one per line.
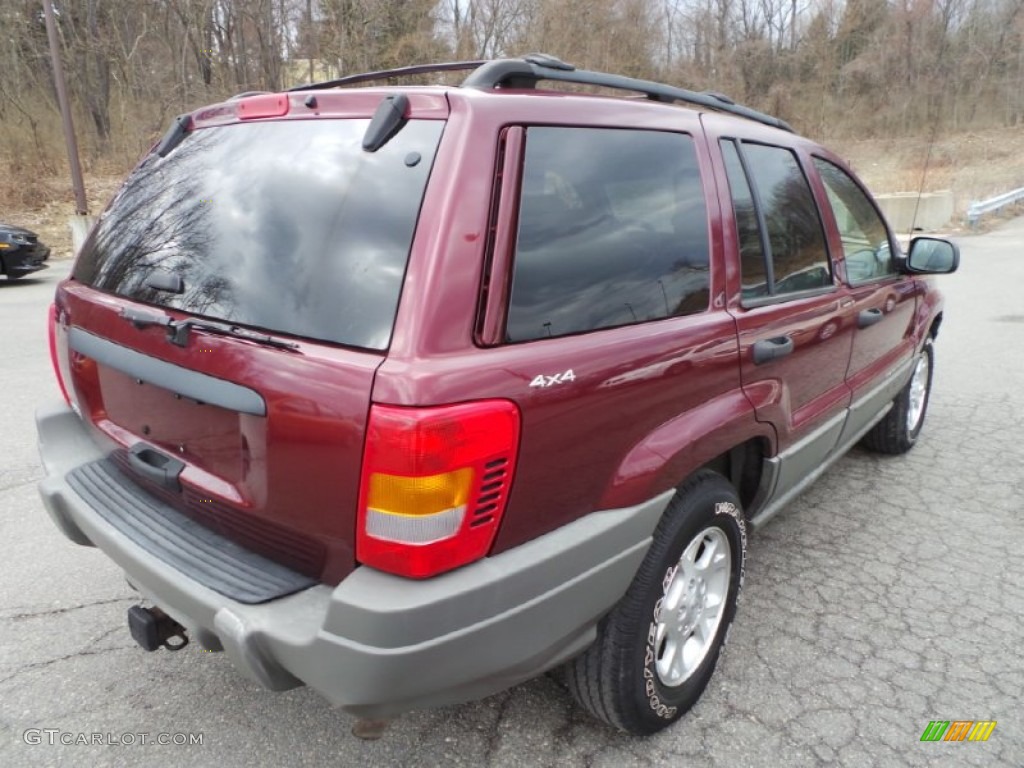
(743,466)
(929,314)
(722,435)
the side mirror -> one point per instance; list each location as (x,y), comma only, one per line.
(932,256)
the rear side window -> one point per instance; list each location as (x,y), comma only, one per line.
(613,230)
(792,240)
(287,226)
(752,260)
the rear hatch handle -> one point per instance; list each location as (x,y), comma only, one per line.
(155,466)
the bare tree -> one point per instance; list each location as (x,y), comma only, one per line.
(899,67)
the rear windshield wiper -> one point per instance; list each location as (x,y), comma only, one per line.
(178,330)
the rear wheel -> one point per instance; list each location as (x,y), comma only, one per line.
(898,430)
(657,649)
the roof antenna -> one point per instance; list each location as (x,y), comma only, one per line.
(924,175)
(928,160)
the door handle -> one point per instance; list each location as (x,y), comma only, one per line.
(869,317)
(772,349)
(156,467)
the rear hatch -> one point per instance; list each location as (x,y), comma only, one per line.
(229,312)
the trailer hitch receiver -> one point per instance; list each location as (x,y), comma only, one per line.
(151,628)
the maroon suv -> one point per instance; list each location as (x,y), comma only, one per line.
(413,393)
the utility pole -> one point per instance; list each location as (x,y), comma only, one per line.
(81,206)
(309,39)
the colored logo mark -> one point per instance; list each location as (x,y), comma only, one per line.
(958,730)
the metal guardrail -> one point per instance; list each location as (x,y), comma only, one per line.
(978,209)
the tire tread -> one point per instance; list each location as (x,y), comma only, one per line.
(589,676)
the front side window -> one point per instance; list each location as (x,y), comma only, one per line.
(613,230)
(865,238)
(791,235)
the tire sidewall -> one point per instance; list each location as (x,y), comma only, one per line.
(713,503)
(910,435)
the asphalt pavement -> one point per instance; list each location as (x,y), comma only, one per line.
(889,595)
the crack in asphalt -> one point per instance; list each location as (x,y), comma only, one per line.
(79,654)
(494,733)
(68,609)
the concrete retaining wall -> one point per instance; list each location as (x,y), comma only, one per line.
(933,213)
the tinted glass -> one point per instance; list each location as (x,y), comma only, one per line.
(795,236)
(288,226)
(613,230)
(752,264)
(865,238)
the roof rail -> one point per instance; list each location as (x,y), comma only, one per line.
(527,71)
(384,74)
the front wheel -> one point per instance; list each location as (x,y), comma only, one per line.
(897,432)
(656,650)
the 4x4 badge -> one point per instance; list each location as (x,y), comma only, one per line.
(540,380)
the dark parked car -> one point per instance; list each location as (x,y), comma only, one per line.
(412,393)
(21,253)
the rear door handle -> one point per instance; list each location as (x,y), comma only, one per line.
(156,467)
(772,349)
(869,317)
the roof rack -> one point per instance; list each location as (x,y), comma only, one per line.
(529,70)
(386,74)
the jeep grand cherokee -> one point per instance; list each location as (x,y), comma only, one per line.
(412,393)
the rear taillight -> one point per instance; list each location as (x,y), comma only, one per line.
(51,327)
(434,485)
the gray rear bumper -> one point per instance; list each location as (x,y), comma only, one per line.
(377,645)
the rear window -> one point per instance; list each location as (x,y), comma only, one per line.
(613,230)
(287,226)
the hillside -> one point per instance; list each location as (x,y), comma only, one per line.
(975,165)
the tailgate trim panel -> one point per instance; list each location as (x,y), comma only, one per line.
(185,382)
